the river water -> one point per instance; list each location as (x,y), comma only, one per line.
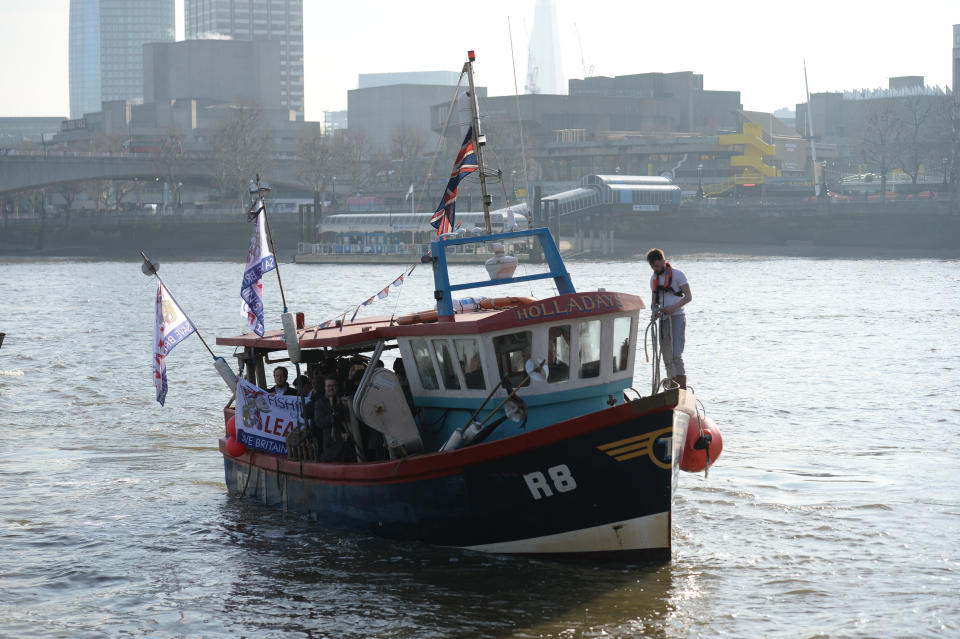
(833,512)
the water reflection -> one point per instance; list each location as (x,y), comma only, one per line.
(289,573)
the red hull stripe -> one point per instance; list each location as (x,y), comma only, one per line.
(442,464)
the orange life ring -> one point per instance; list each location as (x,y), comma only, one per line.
(421,317)
(499,303)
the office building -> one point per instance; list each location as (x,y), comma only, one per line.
(213,72)
(280,20)
(956,57)
(106,48)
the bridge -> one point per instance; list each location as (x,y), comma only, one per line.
(27,170)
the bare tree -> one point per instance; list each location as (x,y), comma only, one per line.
(317,163)
(357,156)
(167,159)
(915,145)
(407,147)
(242,146)
(69,192)
(880,136)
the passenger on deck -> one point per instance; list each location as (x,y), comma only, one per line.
(330,418)
(671,292)
(281,386)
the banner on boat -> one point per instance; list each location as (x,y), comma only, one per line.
(264,420)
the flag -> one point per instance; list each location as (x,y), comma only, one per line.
(409,193)
(260,260)
(398,281)
(366,303)
(170,327)
(352,317)
(325,324)
(444,218)
(382,294)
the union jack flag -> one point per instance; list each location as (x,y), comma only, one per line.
(443,219)
(398,281)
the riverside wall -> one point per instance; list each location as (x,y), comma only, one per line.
(929,229)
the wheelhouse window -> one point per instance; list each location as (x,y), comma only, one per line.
(558,354)
(469,355)
(621,343)
(590,349)
(421,356)
(445,359)
(513,350)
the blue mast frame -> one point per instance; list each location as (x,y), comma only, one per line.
(441,278)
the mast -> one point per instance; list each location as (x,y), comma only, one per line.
(478,140)
(813,145)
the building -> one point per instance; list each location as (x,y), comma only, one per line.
(29,130)
(280,20)
(213,71)
(384,112)
(545,60)
(106,48)
(956,57)
(444,78)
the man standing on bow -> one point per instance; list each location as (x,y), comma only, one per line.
(671,292)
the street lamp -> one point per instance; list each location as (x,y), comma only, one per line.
(946,161)
(179,194)
(699,181)
(333,200)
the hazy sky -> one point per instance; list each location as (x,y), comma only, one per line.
(754,47)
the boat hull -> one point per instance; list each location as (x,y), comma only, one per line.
(600,485)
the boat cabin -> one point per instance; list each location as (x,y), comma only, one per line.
(473,369)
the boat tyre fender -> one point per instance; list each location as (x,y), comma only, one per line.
(496,304)
(500,303)
(421,317)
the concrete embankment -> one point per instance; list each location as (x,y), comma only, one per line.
(901,229)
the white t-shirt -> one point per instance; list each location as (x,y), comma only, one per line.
(678,279)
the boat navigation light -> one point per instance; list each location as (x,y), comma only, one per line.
(471,56)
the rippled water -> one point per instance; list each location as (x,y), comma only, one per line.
(834,511)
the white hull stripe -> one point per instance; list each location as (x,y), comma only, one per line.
(642,533)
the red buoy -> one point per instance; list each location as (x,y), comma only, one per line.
(235,448)
(232,426)
(702,435)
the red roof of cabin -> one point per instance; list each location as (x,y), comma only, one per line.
(371,329)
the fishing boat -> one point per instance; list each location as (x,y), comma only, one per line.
(510,427)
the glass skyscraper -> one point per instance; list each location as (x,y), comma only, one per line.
(106,48)
(256,20)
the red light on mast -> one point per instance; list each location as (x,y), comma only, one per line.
(471,56)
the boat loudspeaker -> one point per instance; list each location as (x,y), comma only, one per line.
(290,337)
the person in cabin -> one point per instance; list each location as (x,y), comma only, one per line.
(671,292)
(281,387)
(401,373)
(558,347)
(330,418)
(303,386)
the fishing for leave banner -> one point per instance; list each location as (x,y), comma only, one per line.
(263,419)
